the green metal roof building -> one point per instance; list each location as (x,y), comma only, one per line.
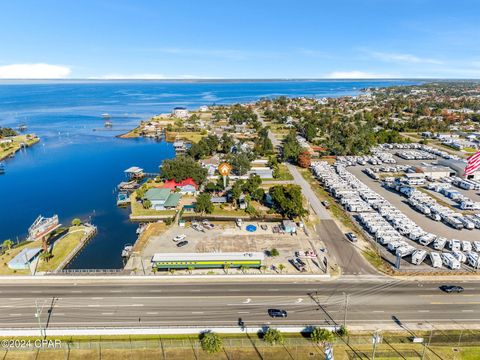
(162,199)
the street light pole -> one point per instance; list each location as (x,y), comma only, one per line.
(38,313)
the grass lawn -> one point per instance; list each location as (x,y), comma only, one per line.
(226,212)
(10,254)
(62,248)
(283,173)
(137,209)
(192,136)
(15,146)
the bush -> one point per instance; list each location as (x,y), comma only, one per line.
(273,337)
(342,331)
(274,252)
(210,342)
(76,222)
(319,335)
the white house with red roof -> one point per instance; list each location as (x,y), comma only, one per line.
(187,186)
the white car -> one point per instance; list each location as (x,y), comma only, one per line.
(179,238)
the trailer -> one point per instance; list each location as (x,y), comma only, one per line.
(418,256)
(473,260)
(466,245)
(450,261)
(436,259)
(454,245)
(439,243)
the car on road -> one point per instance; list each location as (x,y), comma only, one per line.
(326,204)
(277,313)
(351,236)
(182,243)
(179,238)
(451,288)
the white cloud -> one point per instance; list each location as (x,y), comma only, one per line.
(406,58)
(129,77)
(355,74)
(34,71)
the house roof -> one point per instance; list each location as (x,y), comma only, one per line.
(156,194)
(24,257)
(172,184)
(172,200)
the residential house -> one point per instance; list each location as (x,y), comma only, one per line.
(187,186)
(162,199)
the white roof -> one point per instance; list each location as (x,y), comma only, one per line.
(134,169)
(208,256)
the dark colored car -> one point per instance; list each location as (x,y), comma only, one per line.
(275,313)
(451,288)
(182,243)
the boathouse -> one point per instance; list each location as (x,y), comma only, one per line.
(24,258)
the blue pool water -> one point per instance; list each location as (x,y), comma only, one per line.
(73,170)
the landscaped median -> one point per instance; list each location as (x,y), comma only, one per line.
(265,343)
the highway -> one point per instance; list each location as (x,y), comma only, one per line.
(372,303)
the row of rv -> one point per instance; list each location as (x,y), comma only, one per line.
(415,155)
(430,207)
(421,147)
(388,226)
(464,202)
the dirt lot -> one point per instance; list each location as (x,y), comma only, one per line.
(227,237)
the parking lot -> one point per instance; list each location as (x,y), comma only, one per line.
(226,236)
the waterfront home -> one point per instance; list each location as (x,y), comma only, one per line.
(134,172)
(180,112)
(218,199)
(24,258)
(162,199)
(180,146)
(187,186)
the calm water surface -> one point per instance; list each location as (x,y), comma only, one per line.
(73,171)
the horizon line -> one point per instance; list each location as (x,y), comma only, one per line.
(240,79)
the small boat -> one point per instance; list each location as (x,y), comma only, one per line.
(141,228)
(22,127)
(42,226)
(108,123)
(106,116)
(127,250)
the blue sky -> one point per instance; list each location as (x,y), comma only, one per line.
(240,39)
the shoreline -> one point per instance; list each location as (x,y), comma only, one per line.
(17,146)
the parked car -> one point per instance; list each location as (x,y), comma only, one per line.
(326,204)
(182,243)
(451,288)
(179,237)
(274,313)
(298,264)
(351,236)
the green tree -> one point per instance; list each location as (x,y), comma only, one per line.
(288,200)
(226,267)
(7,244)
(181,168)
(226,143)
(210,342)
(204,204)
(273,337)
(319,335)
(76,222)
(146,204)
(243,268)
(274,252)
(240,163)
(291,148)
(281,267)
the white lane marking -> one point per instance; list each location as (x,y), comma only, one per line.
(76,291)
(93,305)
(197,312)
(243,312)
(298,301)
(195,290)
(96,298)
(58,314)
(233,290)
(154,291)
(137,305)
(36,292)
(152,313)
(247,301)
(15,299)
(273,289)
(115,291)
(107,313)
(378,311)
(467,310)
(424,311)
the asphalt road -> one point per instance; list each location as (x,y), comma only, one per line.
(373,302)
(340,250)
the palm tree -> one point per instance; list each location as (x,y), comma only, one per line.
(281,267)
(7,244)
(210,342)
(190,269)
(226,267)
(273,337)
(320,335)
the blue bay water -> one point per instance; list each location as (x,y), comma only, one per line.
(73,171)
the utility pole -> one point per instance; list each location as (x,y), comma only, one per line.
(375,340)
(345,310)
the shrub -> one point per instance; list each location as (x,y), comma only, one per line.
(273,337)
(210,342)
(319,335)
